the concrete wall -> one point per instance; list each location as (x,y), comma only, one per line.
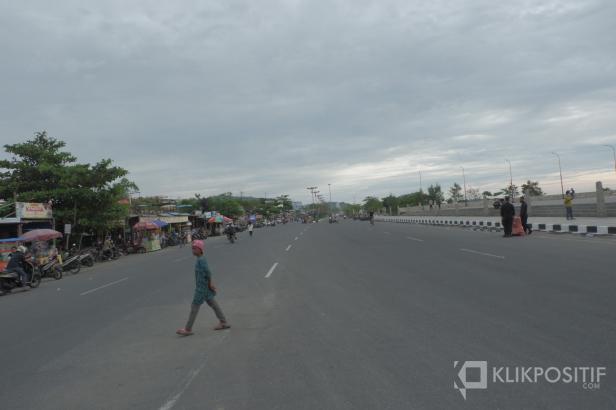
(585,204)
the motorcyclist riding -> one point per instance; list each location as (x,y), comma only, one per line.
(230,231)
(17,264)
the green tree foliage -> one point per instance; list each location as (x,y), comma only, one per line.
(226,205)
(532,188)
(40,171)
(435,194)
(455,192)
(511,191)
(391,204)
(372,204)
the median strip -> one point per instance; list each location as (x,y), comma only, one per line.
(271,270)
(482,253)
(102,287)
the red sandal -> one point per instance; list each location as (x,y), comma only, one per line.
(184,332)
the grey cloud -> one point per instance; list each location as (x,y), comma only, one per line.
(278,95)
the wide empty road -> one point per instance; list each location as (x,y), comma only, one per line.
(340,316)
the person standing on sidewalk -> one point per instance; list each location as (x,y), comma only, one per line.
(507,213)
(524,216)
(251,227)
(205,291)
(569,205)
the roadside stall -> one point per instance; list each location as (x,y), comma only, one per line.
(147,235)
(42,247)
(6,247)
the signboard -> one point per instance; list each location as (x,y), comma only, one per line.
(253,218)
(31,210)
(67,229)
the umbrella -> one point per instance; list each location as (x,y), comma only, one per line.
(40,235)
(215,219)
(218,219)
(145,226)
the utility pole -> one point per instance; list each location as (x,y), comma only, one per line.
(464,178)
(420,190)
(614,152)
(560,170)
(330,199)
(510,180)
(312,189)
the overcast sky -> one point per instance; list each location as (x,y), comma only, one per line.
(274,96)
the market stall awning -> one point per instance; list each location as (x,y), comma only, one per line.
(159,223)
(145,226)
(218,219)
(40,235)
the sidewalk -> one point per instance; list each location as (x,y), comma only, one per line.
(599,226)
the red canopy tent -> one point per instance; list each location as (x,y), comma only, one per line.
(145,226)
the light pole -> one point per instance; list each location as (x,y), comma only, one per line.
(614,152)
(420,190)
(330,199)
(464,178)
(560,170)
(510,179)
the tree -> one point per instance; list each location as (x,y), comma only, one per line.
(532,188)
(226,205)
(455,192)
(413,199)
(486,194)
(391,204)
(284,203)
(473,194)
(372,204)
(435,194)
(511,191)
(84,195)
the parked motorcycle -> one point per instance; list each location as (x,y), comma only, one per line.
(52,269)
(10,280)
(72,264)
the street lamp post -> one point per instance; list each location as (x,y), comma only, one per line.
(510,179)
(614,152)
(420,190)
(560,170)
(330,199)
(464,178)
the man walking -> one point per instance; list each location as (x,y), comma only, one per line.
(507,214)
(251,227)
(205,291)
(569,205)
(524,216)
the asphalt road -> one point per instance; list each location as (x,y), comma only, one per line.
(350,316)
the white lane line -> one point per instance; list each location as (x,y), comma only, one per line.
(386,233)
(169,404)
(301,233)
(482,253)
(296,238)
(103,287)
(414,239)
(271,270)
(288,247)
